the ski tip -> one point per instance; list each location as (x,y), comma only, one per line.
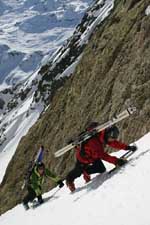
(56,155)
(132,109)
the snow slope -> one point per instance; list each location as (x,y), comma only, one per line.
(118,199)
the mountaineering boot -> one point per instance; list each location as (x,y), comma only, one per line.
(26,206)
(86,177)
(40,199)
(71,186)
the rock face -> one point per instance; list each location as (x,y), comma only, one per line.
(114,70)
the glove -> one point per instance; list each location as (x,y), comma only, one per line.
(132,148)
(60,183)
(121,162)
(40,199)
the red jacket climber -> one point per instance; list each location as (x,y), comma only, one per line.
(90,153)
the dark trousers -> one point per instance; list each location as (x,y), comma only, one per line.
(96,167)
(31,196)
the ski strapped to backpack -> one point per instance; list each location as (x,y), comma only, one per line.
(38,158)
(88,134)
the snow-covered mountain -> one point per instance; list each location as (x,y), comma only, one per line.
(30,73)
(31,29)
(120,198)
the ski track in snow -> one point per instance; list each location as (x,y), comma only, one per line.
(120,198)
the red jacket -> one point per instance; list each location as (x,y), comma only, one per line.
(94,150)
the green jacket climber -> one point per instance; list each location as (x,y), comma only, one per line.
(35,182)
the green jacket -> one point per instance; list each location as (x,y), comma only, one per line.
(36,181)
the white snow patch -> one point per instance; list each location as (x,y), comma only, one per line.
(147,11)
(100,15)
(18,123)
(70,69)
(16,132)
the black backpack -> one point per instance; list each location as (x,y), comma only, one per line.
(29,171)
(82,145)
